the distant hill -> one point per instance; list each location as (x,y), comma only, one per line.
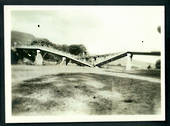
(21,38)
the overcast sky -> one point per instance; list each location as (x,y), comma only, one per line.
(102,29)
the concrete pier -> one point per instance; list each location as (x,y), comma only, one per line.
(129,62)
(63,61)
(38,58)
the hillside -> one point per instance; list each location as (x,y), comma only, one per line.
(21,38)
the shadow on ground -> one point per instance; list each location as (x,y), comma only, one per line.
(87,94)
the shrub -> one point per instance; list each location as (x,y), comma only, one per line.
(158,64)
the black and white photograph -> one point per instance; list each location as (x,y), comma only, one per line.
(84,63)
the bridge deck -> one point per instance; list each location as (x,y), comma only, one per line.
(123,54)
(74,58)
(146,53)
(56,52)
(113,58)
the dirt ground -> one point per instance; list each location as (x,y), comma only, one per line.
(61,90)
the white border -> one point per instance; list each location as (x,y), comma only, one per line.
(26,119)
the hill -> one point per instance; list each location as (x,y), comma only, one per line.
(21,38)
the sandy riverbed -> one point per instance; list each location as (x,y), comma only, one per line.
(64,90)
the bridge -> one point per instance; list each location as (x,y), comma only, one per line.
(123,54)
(55,52)
(107,57)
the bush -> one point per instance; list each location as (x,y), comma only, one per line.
(158,64)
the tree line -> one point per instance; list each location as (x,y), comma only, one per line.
(75,49)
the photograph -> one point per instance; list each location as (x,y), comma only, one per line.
(84,63)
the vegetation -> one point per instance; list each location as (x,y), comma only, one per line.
(20,38)
(77,49)
(158,64)
(72,49)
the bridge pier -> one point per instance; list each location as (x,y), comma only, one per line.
(65,61)
(129,62)
(38,58)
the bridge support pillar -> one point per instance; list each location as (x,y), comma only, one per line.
(129,61)
(38,58)
(63,60)
(67,61)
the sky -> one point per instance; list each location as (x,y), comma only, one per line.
(102,29)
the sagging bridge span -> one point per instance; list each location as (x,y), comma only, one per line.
(78,61)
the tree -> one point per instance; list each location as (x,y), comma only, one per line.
(73,49)
(65,48)
(77,49)
(41,42)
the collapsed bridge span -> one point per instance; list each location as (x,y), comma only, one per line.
(55,52)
